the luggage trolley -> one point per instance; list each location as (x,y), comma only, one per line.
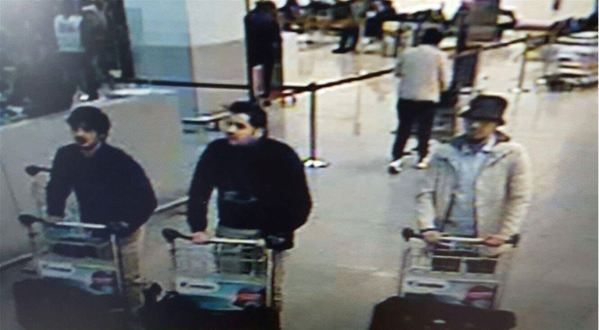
(449,286)
(454,271)
(226,283)
(77,277)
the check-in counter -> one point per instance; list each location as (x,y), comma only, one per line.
(146,126)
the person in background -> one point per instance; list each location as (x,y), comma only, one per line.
(383,11)
(110,186)
(291,13)
(345,21)
(478,184)
(72,31)
(423,76)
(261,187)
(263,43)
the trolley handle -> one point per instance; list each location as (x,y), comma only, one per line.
(114,227)
(408,233)
(33,170)
(170,235)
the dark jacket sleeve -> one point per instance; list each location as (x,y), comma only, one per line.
(141,200)
(60,185)
(200,190)
(293,204)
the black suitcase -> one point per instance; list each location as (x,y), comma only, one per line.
(50,304)
(397,313)
(175,311)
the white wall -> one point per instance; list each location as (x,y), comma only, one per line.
(162,23)
(213,22)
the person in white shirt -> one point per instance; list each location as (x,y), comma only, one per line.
(75,34)
(424,75)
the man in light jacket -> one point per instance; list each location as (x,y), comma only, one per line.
(478,184)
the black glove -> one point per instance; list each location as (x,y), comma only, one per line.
(279,241)
(119,228)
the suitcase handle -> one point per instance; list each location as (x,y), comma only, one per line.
(408,233)
(170,235)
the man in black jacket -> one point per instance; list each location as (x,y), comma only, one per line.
(110,186)
(261,184)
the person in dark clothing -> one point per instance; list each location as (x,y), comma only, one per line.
(110,186)
(261,185)
(263,42)
(346,23)
(291,13)
(373,26)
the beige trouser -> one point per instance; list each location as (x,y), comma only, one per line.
(130,250)
(278,278)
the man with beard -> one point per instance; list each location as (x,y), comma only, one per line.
(110,186)
(261,185)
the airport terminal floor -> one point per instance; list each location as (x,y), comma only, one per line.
(347,257)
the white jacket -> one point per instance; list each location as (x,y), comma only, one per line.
(503,189)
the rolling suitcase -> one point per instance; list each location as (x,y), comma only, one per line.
(397,313)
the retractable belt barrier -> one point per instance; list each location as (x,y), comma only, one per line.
(313,161)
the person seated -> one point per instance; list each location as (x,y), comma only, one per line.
(291,15)
(383,11)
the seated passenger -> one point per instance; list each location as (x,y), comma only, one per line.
(291,16)
(373,26)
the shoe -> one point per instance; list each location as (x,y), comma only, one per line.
(394,167)
(422,164)
(339,51)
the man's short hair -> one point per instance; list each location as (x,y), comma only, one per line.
(432,36)
(91,118)
(258,117)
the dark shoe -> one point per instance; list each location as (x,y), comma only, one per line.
(339,51)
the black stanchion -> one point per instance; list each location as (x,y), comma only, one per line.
(313,161)
(520,89)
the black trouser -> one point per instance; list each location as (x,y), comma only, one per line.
(80,70)
(351,34)
(408,112)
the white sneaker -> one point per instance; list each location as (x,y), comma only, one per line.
(422,164)
(394,167)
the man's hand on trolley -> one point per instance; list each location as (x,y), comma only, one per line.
(431,236)
(54,218)
(494,240)
(200,237)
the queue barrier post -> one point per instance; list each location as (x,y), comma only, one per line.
(519,89)
(313,161)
